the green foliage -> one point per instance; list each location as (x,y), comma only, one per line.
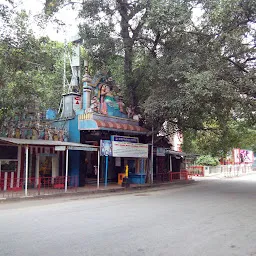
(207,160)
(52,6)
(198,76)
(173,68)
(31,70)
(218,142)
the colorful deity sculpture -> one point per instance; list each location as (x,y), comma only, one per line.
(105,95)
(121,104)
(42,134)
(34,134)
(104,92)
(95,104)
(130,111)
(102,95)
(17,133)
(61,135)
(46,134)
(22,133)
(55,134)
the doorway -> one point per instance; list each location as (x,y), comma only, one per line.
(47,167)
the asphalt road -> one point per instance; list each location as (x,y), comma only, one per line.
(212,217)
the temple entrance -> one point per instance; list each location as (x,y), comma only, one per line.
(47,167)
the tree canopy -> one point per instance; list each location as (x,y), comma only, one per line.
(31,68)
(187,63)
(191,72)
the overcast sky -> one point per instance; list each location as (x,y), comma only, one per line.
(67,16)
(58,33)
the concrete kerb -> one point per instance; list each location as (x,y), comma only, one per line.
(103,192)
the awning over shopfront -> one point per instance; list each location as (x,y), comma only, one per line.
(173,152)
(58,145)
(109,125)
(166,151)
(95,121)
(48,143)
(119,126)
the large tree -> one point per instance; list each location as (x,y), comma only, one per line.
(126,28)
(195,74)
(206,70)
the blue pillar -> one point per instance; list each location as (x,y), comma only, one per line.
(74,133)
(106,172)
(142,163)
(74,167)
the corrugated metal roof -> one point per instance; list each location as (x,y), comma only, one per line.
(177,153)
(43,142)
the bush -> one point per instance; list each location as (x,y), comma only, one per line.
(207,160)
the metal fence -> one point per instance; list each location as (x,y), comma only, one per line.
(196,170)
(171,176)
(15,187)
(235,170)
(221,170)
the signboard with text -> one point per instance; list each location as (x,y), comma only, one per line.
(105,148)
(82,148)
(124,139)
(126,149)
(60,148)
(160,151)
(8,166)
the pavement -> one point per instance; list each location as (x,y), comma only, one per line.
(33,194)
(213,217)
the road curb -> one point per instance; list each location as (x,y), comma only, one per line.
(100,192)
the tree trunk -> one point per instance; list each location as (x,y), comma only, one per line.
(128,50)
(128,77)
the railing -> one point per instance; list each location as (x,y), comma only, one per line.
(236,170)
(197,170)
(162,177)
(172,176)
(15,187)
(221,170)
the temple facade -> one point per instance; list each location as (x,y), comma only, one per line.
(99,117)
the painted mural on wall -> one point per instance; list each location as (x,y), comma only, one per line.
(30,128)
(107,99)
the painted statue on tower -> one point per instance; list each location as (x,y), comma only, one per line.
(106,98)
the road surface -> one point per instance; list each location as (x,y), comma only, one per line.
(211,217)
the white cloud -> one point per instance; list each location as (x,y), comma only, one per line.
(67,16)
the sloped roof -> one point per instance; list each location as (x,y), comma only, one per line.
(45,143)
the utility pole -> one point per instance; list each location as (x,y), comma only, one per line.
(64,66)
(152,156)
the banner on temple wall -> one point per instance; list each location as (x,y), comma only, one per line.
(126,149)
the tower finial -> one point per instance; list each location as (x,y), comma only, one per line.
(86,77)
